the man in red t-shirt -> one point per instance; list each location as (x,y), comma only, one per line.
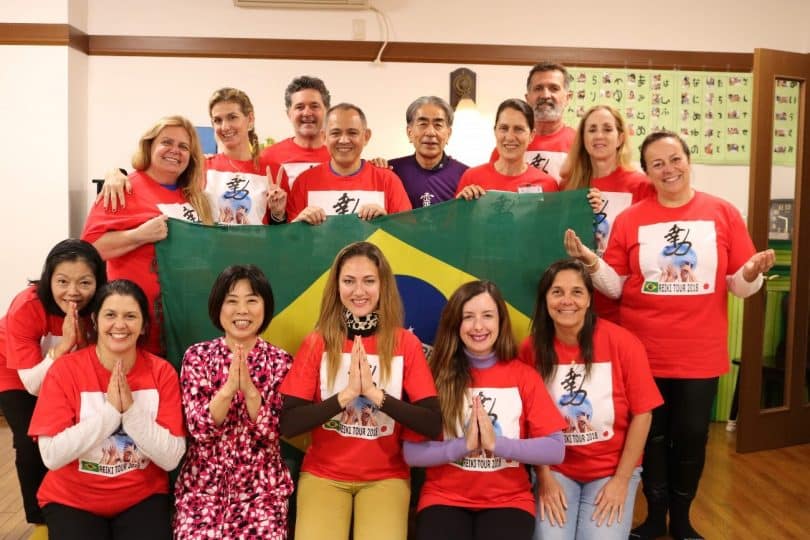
(306,100)
(547,93)
(347,184)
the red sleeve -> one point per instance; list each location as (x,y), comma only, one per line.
(396,199)
(304,376)
(741,247)
(26,324)
(464,181)
(57,402)
(297,199)
(644,189)
(548,184)
(640,388)
(169,413)
(100,221)
(542,416)
(417,379)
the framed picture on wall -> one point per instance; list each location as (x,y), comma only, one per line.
(780,223)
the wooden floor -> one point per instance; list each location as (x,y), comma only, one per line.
(761,496)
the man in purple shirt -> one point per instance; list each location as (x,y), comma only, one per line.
(429,175)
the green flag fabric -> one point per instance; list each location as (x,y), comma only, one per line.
(508,238)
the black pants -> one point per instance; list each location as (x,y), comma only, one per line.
(147,520)
(456,523)
(18,407)
(676,446)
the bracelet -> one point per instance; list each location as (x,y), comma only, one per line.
(382,401)
(594,263)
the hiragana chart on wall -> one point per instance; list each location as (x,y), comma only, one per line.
(711,110)
(786,113)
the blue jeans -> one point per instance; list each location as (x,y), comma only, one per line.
(578,523)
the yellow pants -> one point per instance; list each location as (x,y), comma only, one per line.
(325,509)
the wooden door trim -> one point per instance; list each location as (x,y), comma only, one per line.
(768,66)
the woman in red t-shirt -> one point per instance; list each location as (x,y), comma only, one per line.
(47,320)
(497,416)
(355,382)
(598,376)
(514,130)
(167,182)
(600,159)
(109,427)
(672,259)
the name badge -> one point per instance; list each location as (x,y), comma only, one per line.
(530,189)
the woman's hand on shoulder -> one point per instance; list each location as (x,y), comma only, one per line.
(114,189)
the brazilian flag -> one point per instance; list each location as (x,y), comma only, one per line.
(507,238)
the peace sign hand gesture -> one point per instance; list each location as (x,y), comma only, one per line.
(276,196)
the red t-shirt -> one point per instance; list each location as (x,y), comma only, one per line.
(360,443)
(515,398)
(237,190)
(547,152)
(27,332)
(148,199)
(338,195)
(676,261)
(293,159)
(531,181)
(115,474)
(598,408)
(620,189)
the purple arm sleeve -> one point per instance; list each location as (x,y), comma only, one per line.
(432,453)
(548,450)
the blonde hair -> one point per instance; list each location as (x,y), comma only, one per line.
(389,310)
(234,95)
(190,181)
(581,172)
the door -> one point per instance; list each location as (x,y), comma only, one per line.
(774,410)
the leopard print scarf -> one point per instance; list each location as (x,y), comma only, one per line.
(360,326)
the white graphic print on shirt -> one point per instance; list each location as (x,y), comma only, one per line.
(294,169)
(678,257)
(118,453)
(586,402)
(361,418)
(337,203)
(237,198)
(614,203)
(547,161)
(504,407)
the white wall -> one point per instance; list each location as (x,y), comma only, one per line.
(719,25)
(34,164)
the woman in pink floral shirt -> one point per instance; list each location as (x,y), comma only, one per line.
(234,483)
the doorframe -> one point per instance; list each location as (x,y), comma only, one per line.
(789,424)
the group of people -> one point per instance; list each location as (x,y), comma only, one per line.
(626,346)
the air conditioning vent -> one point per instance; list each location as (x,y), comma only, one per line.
(303,4)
